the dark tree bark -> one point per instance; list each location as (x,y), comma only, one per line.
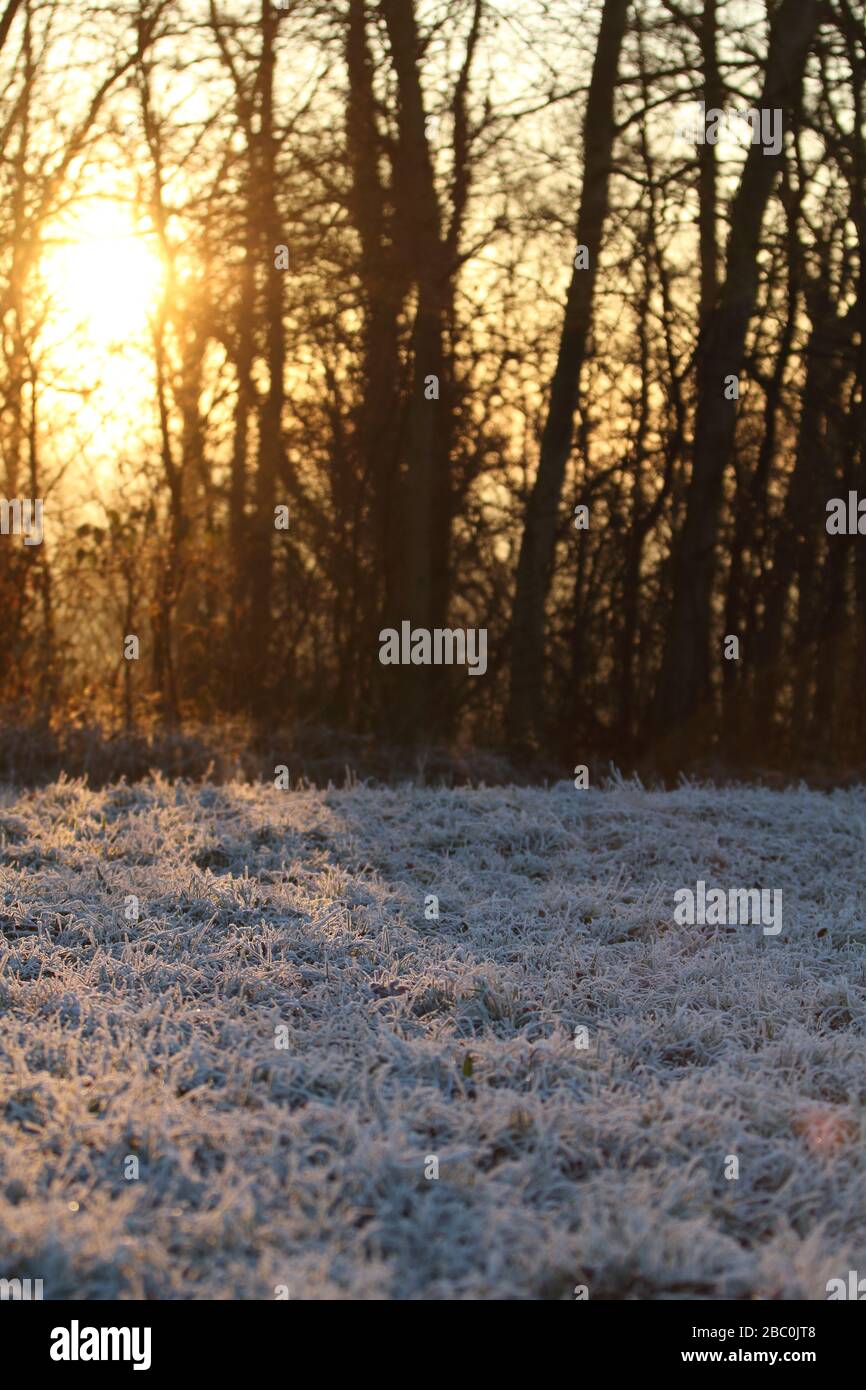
(685,674)
(6,20)
(751,522)
(384,286)
(418,219)
(270,453)
(526,712)
(803,517)
(713,95)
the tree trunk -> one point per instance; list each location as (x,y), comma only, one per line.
(418,220)
(684,678)
(270,454)
(526,715)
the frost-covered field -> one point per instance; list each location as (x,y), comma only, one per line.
(304,1166)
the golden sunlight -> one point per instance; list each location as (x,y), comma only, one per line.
(103,276)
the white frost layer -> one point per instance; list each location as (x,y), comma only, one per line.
(305,1167)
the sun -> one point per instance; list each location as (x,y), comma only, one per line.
(101,279)
(103,276)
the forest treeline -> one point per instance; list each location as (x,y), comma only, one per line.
(438,275)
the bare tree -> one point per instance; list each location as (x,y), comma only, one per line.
(684,678)
(526,710)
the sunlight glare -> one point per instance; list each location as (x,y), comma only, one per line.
(103,277)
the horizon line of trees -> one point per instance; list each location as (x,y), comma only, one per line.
(512,292)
